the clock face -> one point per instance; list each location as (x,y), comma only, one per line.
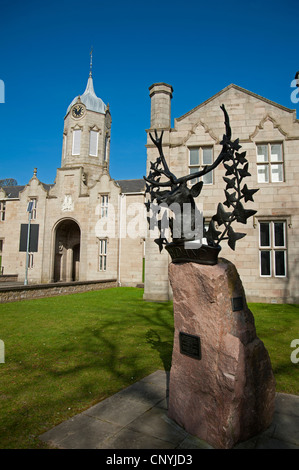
(78,111)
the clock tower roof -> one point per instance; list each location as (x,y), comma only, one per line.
(90,99)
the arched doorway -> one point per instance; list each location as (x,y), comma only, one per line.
(67,251)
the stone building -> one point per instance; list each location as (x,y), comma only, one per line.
(267,258)
(76,228)
(87,226)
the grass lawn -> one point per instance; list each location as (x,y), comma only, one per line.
(277,325)
(64,354)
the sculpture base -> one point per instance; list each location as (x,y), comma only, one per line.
(203,255)
(222,388)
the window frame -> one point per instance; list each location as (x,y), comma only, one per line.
(73,143)
(2,210)
(269,163)
(65,140)
(97,143)
(105,159)
(104,205)
(200,165)
(34,207)
(102,258)
(1,255)
(273,248)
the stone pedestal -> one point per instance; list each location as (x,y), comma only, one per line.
(226,394)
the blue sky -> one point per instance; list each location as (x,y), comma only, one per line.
(198,47)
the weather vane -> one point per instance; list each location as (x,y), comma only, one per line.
(90,67)
(184,224)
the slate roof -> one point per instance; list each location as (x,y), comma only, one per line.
(127,186)
(12,192)
(131,186)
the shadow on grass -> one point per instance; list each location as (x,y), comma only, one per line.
(64,355)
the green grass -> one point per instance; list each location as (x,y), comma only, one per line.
(64,354)
(277,325)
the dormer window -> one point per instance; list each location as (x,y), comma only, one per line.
(104,205)
(34,207)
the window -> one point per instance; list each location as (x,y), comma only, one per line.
(2,210)
(76,141)
(206,224)
(34,207)
(273,249)
(269,163)
(30,260)
(1,250)
(103,255)
(200,157)
(93,143)
(64,145)
(104,205)
(106,149)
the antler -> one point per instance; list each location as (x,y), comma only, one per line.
(221,156)
(166,172)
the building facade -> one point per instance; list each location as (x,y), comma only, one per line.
(267,257)
(76,228)
(88,226)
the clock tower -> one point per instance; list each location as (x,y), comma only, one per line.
(86,134)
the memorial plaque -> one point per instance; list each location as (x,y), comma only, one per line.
(237,303)
(190,345)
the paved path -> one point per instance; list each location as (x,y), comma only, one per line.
(9,284)
(136,418)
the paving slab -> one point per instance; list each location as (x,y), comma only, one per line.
(80,432)
(136,418)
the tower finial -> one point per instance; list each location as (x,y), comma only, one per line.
(90,68)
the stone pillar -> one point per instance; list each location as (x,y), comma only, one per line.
(224,392)
(69,265)
(156,283)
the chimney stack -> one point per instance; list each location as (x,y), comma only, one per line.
(160,94)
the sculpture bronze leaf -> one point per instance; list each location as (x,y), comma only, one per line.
(166,190)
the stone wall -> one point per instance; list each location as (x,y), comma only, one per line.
(254,120)
(9,278)
(13,294)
